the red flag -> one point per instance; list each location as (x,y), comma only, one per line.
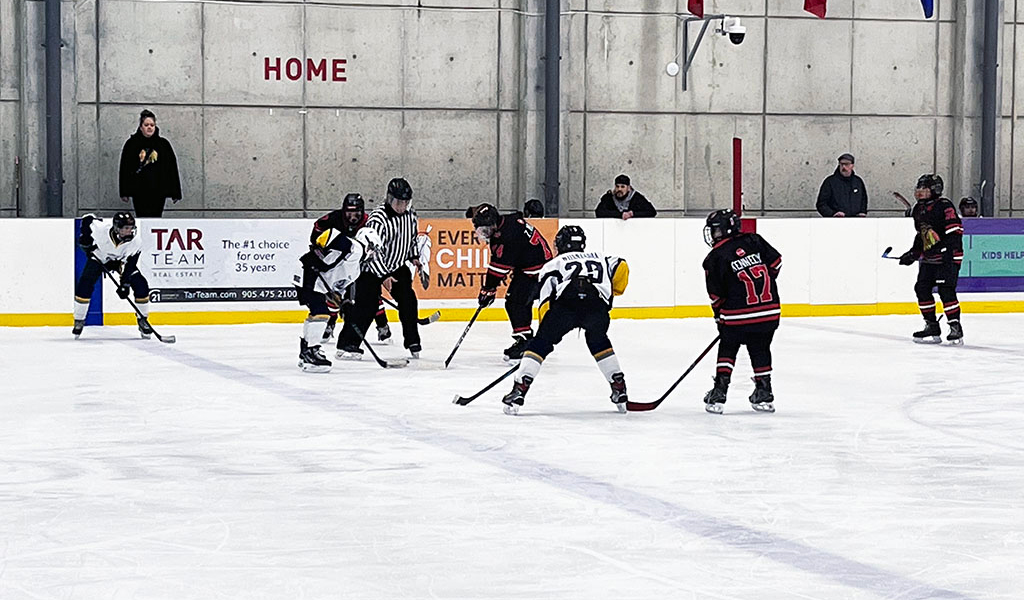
(696,7)
(815,7)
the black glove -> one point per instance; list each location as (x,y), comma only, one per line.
(310,260)
(486,297)
(86,243)
(124,289)
(907,258)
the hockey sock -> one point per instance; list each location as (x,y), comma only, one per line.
(530,366)
(928,310)
(725,365)
(313,329)
(143,304)
(952,310)
(522,331)
(608,363)
(81,308)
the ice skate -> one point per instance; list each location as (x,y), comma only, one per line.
(714,400)
(384,334)
(513,400)
(514,353)
(312,359)
(762,398)
(349,352)
(415,349)
(619,396)
(956,334)
(76,330)
(328,334)
(931,334)
(145,331)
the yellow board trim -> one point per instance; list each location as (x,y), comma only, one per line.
(498,314)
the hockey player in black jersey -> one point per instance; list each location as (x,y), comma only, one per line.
(349,219)
(576,292)
(117,248)
(518,251)
(740,272)
(939,246)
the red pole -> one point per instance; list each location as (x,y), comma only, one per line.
(737,176)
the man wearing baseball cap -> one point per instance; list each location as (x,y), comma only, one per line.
(843,193)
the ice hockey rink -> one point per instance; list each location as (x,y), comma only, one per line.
(214,468)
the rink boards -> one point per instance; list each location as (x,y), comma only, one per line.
(222,271)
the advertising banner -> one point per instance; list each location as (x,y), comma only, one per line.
(993,256)
(253,260)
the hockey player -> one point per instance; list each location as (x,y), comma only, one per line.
(117,248)
(516,249)
(349,219)
(327,272)
(576,291)
(939,246)
(740,273)
(396,223)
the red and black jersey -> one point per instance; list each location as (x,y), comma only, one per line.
(740,272)
(335,220)
(515,246)
(940,233)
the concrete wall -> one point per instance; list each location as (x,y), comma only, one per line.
(449,94)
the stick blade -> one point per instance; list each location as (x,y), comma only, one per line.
(641,406)
(888,250)
(167,339)
(434,317)
(459,400)
(396,363)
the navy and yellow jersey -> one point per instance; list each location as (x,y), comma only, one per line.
(740,272)
(332,263)
(335,220)
(561,275)
(515,245)
(940,233)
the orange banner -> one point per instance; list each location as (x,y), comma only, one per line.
(458,260)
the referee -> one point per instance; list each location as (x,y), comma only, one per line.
(398,226)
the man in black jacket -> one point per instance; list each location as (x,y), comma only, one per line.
(843,193)
(623,202)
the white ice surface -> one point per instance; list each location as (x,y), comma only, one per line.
(214,468)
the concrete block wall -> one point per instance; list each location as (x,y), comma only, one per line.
(449,94)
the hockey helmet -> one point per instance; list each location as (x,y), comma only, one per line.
(353,208)
(968,207)
(485,220)
(932,182)
(721,224)
(570,238)
(399,189)
(124,226)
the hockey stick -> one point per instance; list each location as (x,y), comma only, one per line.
(463,336)
(423,320)
(462,401)
(167,339)
(886,254)
(384,364)
(642,406)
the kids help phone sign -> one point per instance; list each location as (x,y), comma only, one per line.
(222,260)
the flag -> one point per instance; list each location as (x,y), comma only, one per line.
(929,8)
(696,7)
(817,7)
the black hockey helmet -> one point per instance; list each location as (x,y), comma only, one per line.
(968,207)
(124,226)
(721,224)
(931,181)
(399,189)
(485,220)
(533,208)
(353,201)
(570,238)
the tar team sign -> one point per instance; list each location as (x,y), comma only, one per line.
(222,260)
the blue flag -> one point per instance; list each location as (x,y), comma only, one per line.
(929,8)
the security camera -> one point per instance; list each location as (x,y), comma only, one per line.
(732,28)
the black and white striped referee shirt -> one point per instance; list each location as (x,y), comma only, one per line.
(398,234)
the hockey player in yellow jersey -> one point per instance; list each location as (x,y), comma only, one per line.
(576,292)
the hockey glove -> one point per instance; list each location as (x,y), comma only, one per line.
(86,243)
(907,258)
(123,289)
(310,260)
(486,297)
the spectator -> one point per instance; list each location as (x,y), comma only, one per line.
(623,202)
(533,209)
(968,207)
(843,193)
(149,169)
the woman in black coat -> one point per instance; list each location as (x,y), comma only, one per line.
(149,169)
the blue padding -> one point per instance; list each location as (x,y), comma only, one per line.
(95,314)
